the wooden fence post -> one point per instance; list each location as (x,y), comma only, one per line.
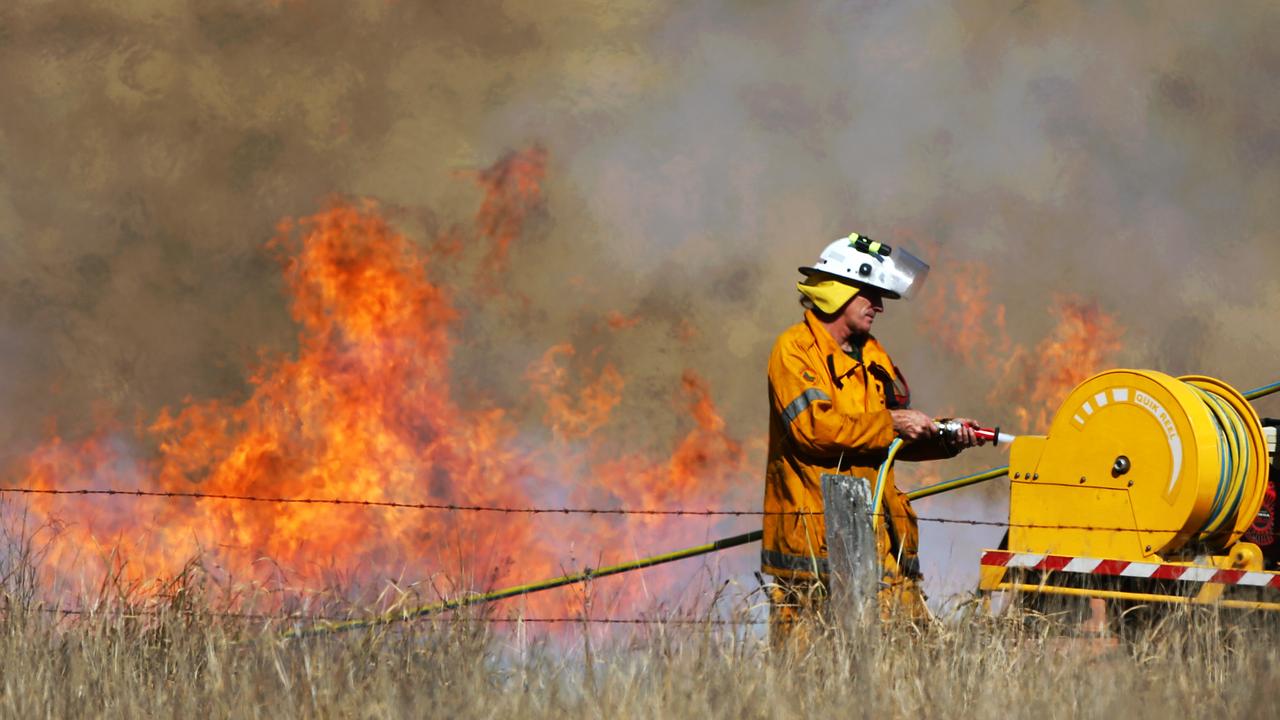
(852,559)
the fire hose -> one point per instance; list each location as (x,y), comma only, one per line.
(715,546)
(481,598)
(877,498)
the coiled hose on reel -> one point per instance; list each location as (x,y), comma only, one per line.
(1234,461)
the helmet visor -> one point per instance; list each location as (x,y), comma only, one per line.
(904,274)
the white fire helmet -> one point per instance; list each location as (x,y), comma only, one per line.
(862,261)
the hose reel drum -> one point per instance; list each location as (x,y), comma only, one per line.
(1138,464)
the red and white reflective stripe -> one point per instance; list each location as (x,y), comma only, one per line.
(1125,568)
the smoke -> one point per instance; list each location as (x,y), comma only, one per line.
(1123,154)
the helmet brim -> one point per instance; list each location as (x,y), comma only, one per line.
(809,272)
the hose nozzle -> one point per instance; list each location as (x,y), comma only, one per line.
(950,428)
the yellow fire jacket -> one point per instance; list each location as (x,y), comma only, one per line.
(829,413)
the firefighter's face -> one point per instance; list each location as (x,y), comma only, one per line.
(860,312)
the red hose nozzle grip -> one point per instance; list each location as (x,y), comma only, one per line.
(949,428)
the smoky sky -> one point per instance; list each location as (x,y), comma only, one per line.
(1121,153)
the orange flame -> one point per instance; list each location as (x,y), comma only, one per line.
(1082,343)
(573,417)
(512,189)
(618,321)
(704,464)
(707,469)
(961,316)
(366,410)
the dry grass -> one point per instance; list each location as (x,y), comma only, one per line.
(167,652)
(182,661)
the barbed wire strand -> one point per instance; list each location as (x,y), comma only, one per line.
(294,618)
(177,495)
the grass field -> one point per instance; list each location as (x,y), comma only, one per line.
(179,659)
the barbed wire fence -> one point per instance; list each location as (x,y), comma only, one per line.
(517,510)
(285,618)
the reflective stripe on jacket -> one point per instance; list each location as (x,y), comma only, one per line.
(827,413)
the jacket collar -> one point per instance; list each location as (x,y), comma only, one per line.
(840,362)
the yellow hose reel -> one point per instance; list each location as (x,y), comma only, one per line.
(1138,464)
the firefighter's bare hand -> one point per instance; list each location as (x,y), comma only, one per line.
(912,425)
(965,437)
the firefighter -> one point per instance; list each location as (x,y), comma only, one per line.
(836,402)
